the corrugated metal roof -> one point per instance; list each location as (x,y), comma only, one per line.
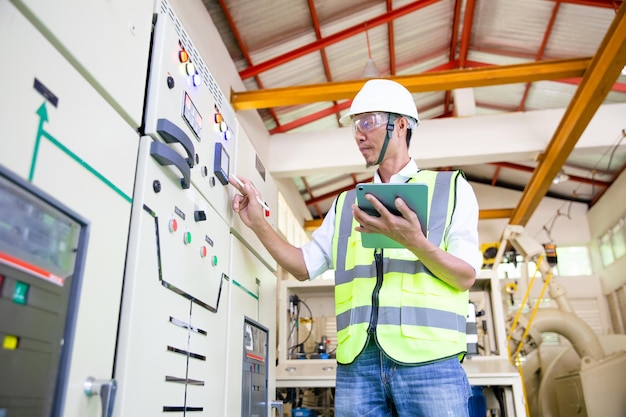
(503,32)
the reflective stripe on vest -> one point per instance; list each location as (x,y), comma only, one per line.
(421,318)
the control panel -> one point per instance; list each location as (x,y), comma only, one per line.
(174,316)
(187,110)
(180,324)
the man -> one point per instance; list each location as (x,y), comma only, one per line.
(400,312)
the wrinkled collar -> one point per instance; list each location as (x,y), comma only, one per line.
(403,176)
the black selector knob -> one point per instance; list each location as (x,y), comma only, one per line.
(199,215)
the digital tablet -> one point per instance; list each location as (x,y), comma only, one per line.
(415,196)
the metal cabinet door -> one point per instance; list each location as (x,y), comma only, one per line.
(61,135)
(108,40)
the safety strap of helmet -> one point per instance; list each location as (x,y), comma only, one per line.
(390,127)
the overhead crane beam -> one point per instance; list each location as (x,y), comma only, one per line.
(435,81)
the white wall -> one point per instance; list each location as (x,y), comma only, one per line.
(602,216)
(566,221)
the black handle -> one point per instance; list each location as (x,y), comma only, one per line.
(165,155)
(174,134)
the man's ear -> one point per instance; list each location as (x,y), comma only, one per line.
(403,123)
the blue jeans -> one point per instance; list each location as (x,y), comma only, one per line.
(375,386)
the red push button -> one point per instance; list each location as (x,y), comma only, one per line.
(203,251)
(173,225)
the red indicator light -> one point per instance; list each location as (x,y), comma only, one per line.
(183,56)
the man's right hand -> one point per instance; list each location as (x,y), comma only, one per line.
(247,204)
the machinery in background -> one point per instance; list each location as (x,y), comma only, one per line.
(307,339)
(587,379)
(497,389)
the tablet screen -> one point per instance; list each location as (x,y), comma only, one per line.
(414,194)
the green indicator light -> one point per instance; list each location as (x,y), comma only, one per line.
(214,260)
(20,292)
(187,237)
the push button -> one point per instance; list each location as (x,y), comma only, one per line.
(20,292)
(173,225)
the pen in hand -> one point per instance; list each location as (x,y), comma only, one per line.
(258,199)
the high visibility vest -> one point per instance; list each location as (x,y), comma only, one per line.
(418,318)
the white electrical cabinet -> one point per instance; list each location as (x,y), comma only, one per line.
(63,137)
(106,41)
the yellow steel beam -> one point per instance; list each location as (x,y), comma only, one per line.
(435,81)
(487,214)
(603,71)
(310,225)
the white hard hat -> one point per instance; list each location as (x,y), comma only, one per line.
(383,95)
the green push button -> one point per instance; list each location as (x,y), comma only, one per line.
(20,292)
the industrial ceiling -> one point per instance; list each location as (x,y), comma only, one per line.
(302,61)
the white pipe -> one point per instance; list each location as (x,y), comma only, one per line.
(558,294)
(584,341)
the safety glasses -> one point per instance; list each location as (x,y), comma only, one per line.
(368,122)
